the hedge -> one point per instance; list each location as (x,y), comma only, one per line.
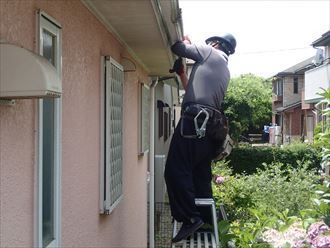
(246,159)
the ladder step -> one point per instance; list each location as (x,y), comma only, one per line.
(200,239)
(204,201)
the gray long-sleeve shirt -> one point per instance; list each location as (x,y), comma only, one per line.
(210,76)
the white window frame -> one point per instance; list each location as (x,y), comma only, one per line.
(321,117)
(144,118)
(44,21)
(279,88)
(107,203)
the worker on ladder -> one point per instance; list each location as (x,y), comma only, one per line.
(201,131)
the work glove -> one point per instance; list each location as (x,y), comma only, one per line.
(178,67)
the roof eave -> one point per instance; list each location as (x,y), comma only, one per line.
(324,40)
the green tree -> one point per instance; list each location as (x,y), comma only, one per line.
(248,104)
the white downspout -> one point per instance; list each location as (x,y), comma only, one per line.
(152,166)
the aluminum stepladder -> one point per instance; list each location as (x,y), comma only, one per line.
(200,239)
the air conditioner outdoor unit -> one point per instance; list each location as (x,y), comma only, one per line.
(24,74)
(160,161)
(319,57)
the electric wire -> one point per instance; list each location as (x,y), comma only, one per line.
(272,51)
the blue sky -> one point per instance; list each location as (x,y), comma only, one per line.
(271,35)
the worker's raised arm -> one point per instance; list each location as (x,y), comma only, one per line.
(185,49)
(179,69)
(184,80)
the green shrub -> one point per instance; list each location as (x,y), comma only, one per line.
(322,138)
(284,191)
(271,190)
(321,205)
(247,159)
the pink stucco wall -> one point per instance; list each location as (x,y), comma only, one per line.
(84,40)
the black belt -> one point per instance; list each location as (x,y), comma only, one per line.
(201,115)
(194,108)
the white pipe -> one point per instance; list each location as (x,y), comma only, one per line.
(152,166)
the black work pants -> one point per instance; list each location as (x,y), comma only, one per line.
(188,176)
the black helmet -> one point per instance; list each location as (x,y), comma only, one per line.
(227,41)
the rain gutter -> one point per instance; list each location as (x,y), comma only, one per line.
(152,165)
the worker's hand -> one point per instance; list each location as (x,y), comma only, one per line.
(186,39)
(178,67)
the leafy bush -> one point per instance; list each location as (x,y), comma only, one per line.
(276,197)
(321,205)
(247,159)
(272,190)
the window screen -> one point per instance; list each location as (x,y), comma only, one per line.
(113,140)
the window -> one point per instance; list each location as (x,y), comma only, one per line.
(111,135)
(49,150)
(144,118)
(302,126)
(278,120)
(174,117)
(275,87)
(167,121)
(170,121)
(295,85)
(166,126)
(160,107)
(278,87)
(321,117)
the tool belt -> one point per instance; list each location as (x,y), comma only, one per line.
(198,121)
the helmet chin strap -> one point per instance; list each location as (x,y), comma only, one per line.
(217,45)
(214,44)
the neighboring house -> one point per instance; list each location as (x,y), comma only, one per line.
(74,167)
(289,111)
(318,77)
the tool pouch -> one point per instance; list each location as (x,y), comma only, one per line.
(224,149)
(194,115)
(218,127)
(218,131)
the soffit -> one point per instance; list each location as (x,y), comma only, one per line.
(136,24)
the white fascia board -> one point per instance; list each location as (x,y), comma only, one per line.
(162,26)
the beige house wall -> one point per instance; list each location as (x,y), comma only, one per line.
(291,118)
(84,41)
(288,96)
